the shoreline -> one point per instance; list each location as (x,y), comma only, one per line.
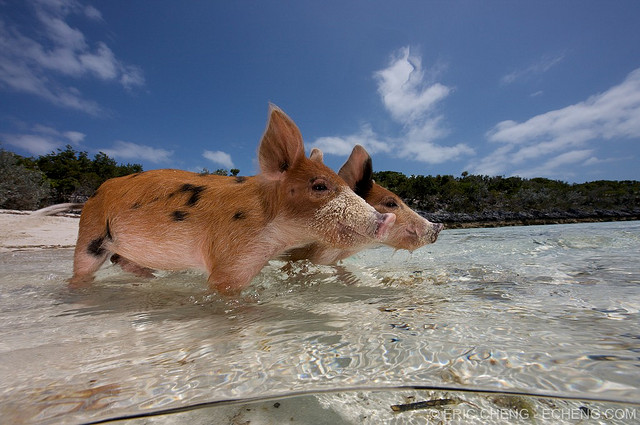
(527,218)
(533,222)
(20,231)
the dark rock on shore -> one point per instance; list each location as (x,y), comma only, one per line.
(453,220)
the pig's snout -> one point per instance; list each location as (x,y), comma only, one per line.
(424,232)
(427,228)
(384,223)
(437,228)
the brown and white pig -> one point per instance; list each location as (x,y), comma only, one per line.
(410,231)
(228,227)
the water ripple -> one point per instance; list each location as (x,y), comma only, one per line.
(552,310)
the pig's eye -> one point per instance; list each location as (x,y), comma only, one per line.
(319,187)
(391,203)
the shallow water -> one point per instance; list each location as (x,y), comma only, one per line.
(546,310)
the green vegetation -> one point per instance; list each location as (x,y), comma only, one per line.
(220,172)
(473,198)
(71,176)
(62,176)
(20,187)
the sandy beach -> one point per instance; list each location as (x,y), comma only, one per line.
(19,230)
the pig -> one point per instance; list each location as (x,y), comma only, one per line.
(410,231)
(229,227)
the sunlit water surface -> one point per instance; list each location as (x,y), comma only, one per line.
(541,310)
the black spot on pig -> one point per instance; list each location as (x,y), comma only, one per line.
(189,188)
(196,191)
(95,247)
(179,215)
(239,215)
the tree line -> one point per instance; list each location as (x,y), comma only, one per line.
(497,198)
(67,175)
(71,176)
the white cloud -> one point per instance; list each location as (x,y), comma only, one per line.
(122,150)
(92,13)
(417,143)
(343,145)
(19,77)
(403,88)
(101,63)
(494,164)
(614,113)
(411,97)
(594,160)
(58,31)
(558,166)
(432,153)
(43,140)
(131,77)
(219,157)
(74,137)
(33,143)
(34,63)
(567,133)
(540,67)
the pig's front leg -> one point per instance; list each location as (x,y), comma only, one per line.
(233,278)
(233,271)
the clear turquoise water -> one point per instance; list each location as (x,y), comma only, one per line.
(540,310)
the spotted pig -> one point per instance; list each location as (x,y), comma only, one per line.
(227,226)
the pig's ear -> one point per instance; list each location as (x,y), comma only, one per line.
(316,155)
(357,172)
(281,145)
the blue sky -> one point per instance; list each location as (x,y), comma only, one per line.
(529,88)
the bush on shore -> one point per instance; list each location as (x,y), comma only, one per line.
(63,176)
(20,187)
(486,198)
(71,176)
